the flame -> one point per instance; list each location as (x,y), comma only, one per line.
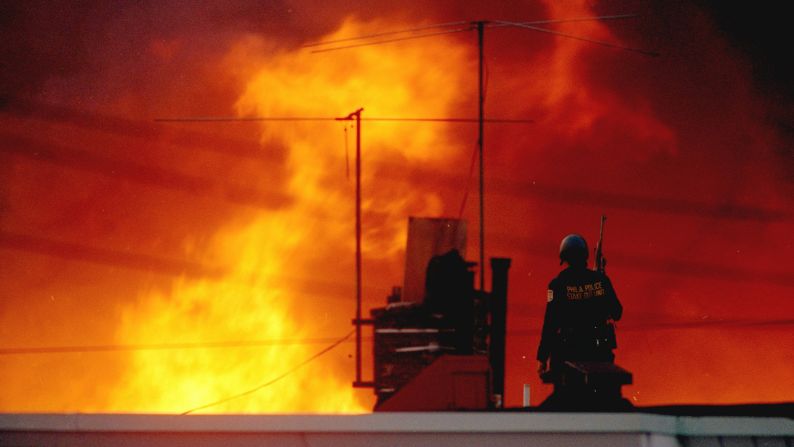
(259,296)
(248,303)
(87,185)
(387,81)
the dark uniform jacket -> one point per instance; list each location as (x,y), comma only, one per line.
(577,325)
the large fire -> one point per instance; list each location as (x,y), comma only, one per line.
(256,299)
(209,266)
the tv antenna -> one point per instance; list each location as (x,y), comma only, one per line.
(462,26)
(418,33)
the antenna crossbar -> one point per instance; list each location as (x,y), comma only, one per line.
(386,33)
(210,119)
(396,39)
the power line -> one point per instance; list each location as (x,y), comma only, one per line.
(65,156)
(274,380)
(576,19)
(71,251)
(707,324)
(636,327)
(575,37)
(449,25)
(201,186)
(468,182)
(634,202)
(85,349)
(135,261)
(138,261)
(106,123)
(680,325)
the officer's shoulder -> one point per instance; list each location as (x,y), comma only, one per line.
(603,277)
(596,275)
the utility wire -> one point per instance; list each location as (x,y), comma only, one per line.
(468,181)
(681,325)
(68,156)
(533,247)
(87,160)
(274,380)
(583,39)
(635,327)
(136,261)
(464,22)
(706,324)
(471,26)
(162,346)
(573,19)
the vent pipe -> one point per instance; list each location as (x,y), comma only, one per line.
(498,307)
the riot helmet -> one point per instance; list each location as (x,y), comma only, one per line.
(573,249)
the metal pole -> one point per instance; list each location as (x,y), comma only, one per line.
(498,307)
(480,141)
(357,322)
(358,245)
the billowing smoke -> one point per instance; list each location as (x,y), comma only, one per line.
(121,236)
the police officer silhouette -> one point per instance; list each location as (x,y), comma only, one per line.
(580,310)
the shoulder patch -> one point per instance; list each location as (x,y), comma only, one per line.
(549,295)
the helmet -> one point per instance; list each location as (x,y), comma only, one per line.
(573,249)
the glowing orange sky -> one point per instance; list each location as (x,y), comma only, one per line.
(118,230)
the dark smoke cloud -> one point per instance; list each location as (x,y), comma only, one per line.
(61,41)
(763,37)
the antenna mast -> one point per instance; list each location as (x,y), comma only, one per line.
(480,142)
(356,116)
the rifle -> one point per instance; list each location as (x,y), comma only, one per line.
(601,265)
(600,262)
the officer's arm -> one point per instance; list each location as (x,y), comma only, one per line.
(615,308)
(549,326)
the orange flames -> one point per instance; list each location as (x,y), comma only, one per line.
(672,149)
(268,257)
